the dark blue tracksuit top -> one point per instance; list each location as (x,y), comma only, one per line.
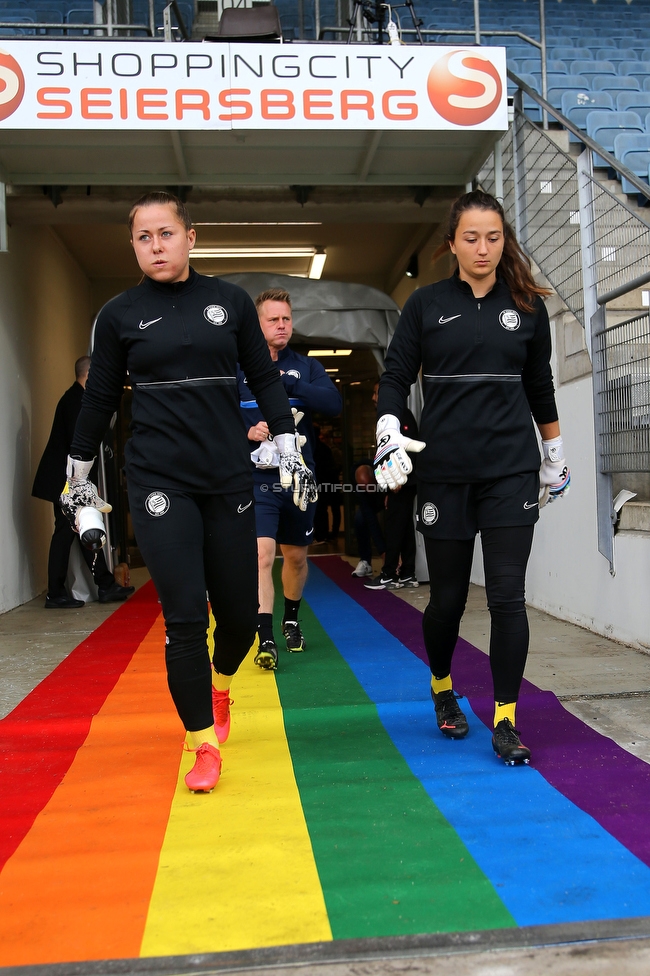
(308,387)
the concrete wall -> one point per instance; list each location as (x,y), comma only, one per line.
(44,326)
(567,576)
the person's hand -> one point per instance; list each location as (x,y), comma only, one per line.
(392,464)
(259,432)
(81,504)
(554,474)
(293,471)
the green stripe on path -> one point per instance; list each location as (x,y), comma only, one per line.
(388,861)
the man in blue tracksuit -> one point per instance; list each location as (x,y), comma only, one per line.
(278,519)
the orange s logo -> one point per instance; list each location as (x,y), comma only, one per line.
(464,88)
(12,85)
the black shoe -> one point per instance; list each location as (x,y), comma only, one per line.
(293,636)
(63,603)
(409,581)
(267,656)
(382,582)
(115,593)
(451,720)
(507,745)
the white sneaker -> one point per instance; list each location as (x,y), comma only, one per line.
(362,569)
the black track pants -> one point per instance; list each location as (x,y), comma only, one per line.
(192,544)
(505,556)
(400,532)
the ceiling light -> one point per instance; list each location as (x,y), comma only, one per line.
(317,263)
(356,383)
(331,370)
(329,352)
(251,251)
(413,269)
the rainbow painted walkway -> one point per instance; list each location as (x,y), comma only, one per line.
(342,813)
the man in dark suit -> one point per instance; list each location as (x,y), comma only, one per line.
(48,484)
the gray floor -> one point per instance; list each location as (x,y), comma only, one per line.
(604,683)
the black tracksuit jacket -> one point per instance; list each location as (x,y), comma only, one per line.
(485,370)
(180,344)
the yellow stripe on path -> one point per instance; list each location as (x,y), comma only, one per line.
(237,869)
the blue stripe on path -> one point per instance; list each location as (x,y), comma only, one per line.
(549,861)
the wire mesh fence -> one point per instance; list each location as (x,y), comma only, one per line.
(540,188)
(622,364)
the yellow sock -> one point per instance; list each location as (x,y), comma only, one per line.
(441,684)
(197,739)
(502,711)
(221,681)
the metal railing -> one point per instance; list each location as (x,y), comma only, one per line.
(593,248)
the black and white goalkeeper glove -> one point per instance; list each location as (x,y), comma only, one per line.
(82,506)
(554,474)
(392,464)
(293,471)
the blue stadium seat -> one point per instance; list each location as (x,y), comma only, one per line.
(577,105)
(591,68)
(615,83)
(531,108)
(633,150)
(633,101)
(557,85)
(607,41)
(533,66)
(570,54)
(610,54)
(603,127)
(638,69)
(520,52)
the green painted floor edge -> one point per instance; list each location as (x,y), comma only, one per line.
(389,863)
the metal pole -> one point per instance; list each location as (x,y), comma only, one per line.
(109,18)
(518,168)
(498,171)
(152,17)
(542,38)
(167,23)
(317,20)
(477,22)
(301,19)
(587,217)
(604,501)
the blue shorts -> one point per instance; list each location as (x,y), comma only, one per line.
(276,516)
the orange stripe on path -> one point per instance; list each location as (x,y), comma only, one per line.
(78,886)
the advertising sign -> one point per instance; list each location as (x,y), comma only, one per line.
(60,84)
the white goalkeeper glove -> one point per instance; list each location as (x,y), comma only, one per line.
(267,454)
(554,474)
(293,471)
(81,504)
(392,464)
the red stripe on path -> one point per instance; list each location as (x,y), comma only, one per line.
(40,737)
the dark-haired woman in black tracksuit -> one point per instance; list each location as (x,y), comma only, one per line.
(180,336)
(482,339)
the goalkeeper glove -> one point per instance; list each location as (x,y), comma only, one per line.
(392,464)
(293,471)
(554,474)
(82,505)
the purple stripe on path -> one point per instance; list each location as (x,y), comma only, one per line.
(591,770)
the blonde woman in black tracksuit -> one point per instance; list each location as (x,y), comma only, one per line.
(180,335)
(482,340)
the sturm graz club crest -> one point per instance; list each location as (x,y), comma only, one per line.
(429,513)
(215,314)
(157,503)
(510,319)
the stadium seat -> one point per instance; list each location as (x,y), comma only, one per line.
(633,150)
(614,84)
(615,57)
(557,85)
(577,105)
(531,108)
(637,69)
(591,68)
(571,54)
(632,101)
(603,127)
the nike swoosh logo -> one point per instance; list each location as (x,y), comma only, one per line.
(145,325)
(310,532)
(450,318)
(530,504)
(242,508)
